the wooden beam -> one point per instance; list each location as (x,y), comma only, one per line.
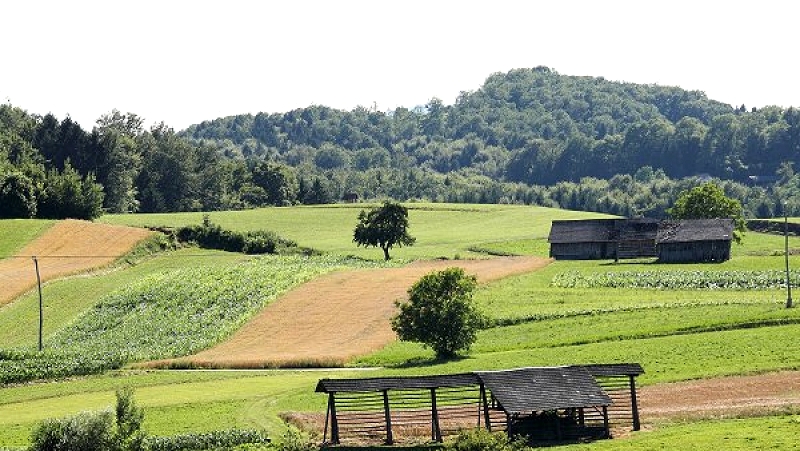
(436,432)
(387,413)
(334,420)
(605,422)
(634,404)
(486,418)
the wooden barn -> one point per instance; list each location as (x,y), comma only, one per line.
(546,404)
(603,239)
(690,240)
(698,240)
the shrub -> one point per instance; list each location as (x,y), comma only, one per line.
(212,236)
(86,431)
(483,440)
(207,440)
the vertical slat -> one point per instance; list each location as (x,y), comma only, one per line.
(334,419)
(436,433)
(388,415)
(486,418)
(634,404)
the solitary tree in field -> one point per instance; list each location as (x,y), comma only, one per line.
(708,201)
(440,312)
(385,227)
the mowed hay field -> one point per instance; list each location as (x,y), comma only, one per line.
(65,248)
(689,338)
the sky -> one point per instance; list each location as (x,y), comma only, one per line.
(183,62)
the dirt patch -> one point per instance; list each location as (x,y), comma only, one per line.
(721,397)
(68,247)
(338,316)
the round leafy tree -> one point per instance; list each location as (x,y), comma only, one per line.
(708,201)
(385,227)
(440,313)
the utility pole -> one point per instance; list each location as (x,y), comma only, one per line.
(786,253)
(41,309)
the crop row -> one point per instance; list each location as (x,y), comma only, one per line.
(170,314)
(677,280)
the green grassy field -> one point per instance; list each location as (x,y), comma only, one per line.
(441,230)
(675,334)
(15,233)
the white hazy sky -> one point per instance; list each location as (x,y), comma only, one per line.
(182,62)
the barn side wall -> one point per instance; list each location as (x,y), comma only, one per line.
(698,251)
(582,251)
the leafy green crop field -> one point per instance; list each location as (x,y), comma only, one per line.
(678,330)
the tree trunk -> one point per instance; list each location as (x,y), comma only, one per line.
(385,253)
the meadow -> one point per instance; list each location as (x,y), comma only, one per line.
(676,332)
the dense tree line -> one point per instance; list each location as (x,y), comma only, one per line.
(528,136)
(533,126)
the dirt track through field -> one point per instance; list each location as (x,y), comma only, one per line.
(338,316)
(721,397)
(68,247)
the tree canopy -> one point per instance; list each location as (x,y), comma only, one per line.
(385,227)
(440,312)
(706,202)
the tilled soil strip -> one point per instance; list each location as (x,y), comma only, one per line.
(68,247)
(338,316)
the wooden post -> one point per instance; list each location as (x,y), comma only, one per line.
(41,306)
(485,410)
(334,420)
(634,404)
(581,417)
(436,432)
(388,415)
(605,422)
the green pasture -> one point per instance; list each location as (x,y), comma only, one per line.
(16,233)
(441,230)
(675,334)
(738,434)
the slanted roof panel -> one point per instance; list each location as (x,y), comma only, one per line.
(581,231)
(529,390)
(396,383)
(689,230)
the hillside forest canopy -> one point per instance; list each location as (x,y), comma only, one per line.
(529,136)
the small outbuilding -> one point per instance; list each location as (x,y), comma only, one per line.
(545,404)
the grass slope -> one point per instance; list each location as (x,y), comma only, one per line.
(16,233)
(442,230)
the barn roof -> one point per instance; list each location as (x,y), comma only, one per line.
(522,390)
(602,230)
(691,230)
(397,383)
(581,231)
(527,390)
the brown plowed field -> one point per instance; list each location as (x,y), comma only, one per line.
(721,397)
(68,247)
(338,316)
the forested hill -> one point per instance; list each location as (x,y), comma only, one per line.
(530,125)
(528,136)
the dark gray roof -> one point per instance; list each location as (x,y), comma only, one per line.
(397,383)
(689,230)
(602,230)
(581,231)
(456,380)
(529,390)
